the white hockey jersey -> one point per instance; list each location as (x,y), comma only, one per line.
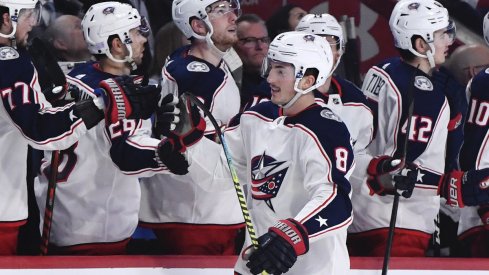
(27,118)
(95,201)
(290,167)
(387,86)
(180,199)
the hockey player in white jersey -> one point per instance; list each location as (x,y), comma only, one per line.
(340,95)
(293,158)
(96,204)
(422,33)
(26,118)
(186,218)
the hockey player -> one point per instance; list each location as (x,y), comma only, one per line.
(96,208)
(339,95)
(294,158)
(422,33)
(186,218)
(473,228)
(28,119)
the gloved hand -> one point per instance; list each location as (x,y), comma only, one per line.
(279,248)
(125,99)
(465,188)
(388,175)
(189,130)
(167,116)
(483,212)
(172,159)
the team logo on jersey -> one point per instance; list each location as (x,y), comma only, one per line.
(108,10)
(8,53)
(267,175)
(196,66)
(327,113)
(423,83)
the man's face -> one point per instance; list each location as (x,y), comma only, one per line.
(442,40)
(223,15)
(252,45)
(28,18)
(73,35)
(138,41)
(282,80)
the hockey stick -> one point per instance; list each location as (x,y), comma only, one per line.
(237,186)
(45,62)
(395,204)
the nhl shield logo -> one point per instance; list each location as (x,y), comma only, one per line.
(423,83)
(8,53)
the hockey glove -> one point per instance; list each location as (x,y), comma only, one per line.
(125,99)
(470,188)
(387,175)
(484,214)
(190,129)
(167,116)
(279,248)
(172,159)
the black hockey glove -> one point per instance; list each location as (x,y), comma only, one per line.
(465,188)
(279,248)
(172,159)
(167,116)
(125,99)
(189,130)
(387,175)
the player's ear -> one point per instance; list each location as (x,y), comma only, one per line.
(307,81)
(420,45)
(59,44)
(199,27)
(116,46)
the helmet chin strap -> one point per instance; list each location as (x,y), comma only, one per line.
(127,59)
(298,94)
(430,54)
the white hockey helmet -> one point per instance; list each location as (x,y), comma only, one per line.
(419,17)
(184,10)
(303,51)
(324,25)
(485,27)
(111,18)
(16,7)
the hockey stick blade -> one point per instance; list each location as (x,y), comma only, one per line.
(46,63)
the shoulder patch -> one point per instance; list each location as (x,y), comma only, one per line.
(487,71)
(326,113)
(423,83)
(8,53)
(196,66)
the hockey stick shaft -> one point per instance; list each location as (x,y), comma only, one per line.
(234,175)
(395,203)
(45,61)
(237,186)
(50,196)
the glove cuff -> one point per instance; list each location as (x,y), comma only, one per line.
(294,233)
(451,188)
(373,167)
